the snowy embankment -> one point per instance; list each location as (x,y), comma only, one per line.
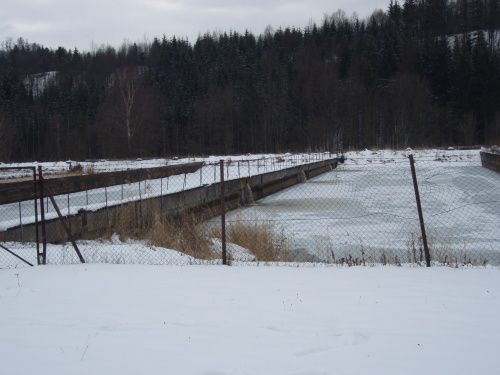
(108,319)
(115,251)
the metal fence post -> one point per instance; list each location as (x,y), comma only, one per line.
(35,192)
(223,213)
(420,214)
(21,222)
(106,203)
(161,195)
(140,206)
(42,212)
(66,227)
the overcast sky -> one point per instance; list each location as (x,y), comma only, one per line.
(81,23)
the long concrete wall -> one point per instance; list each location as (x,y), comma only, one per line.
(204,199)
(490,160)
(15,191)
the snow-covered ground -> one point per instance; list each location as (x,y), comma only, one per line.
(116,251)
(122,319)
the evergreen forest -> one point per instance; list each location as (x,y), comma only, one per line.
(418,73)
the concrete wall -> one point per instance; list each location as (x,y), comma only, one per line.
(490,160)
(15,191)
(204,200)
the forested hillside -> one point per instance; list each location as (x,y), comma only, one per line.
(424,72)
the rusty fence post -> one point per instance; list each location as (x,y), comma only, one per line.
(420,214)
(42,218)
(35,195)
(66,226)
(223,213)
(21,221)
(14,254)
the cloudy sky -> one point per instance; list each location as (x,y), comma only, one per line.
(83,23)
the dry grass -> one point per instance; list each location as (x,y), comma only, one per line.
(261,239)
(184,234)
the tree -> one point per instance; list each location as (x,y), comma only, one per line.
(127,82)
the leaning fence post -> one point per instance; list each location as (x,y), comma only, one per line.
(65,224)
(420,214)
(223,213)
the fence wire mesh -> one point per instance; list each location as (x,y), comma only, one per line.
(284,209)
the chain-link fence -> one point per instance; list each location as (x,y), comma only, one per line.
(358,209)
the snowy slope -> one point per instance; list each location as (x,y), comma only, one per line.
(109,319)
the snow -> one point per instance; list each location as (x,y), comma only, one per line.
(38,83)
(117,251)
(103,165)
(122,319)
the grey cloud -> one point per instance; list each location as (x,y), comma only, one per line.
(79,23)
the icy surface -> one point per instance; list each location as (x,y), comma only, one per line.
(367,207)
(120,319)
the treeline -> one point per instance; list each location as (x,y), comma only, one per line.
(421,73)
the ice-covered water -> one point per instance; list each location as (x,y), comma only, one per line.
(367,207)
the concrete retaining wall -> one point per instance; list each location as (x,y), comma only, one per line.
(204,199)
(15,191)
(490,160)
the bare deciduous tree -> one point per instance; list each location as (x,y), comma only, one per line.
(127,81)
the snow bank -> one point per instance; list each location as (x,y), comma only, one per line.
(108,319)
